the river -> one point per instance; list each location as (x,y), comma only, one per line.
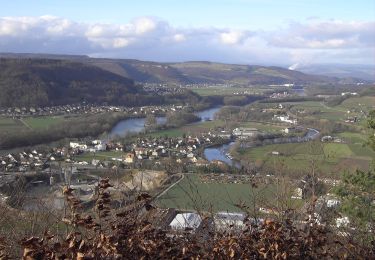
(137,125)
(221,152)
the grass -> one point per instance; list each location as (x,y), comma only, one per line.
(37,123)
(34,123)
(192,194)
(337,150)
(365,102)
(191,129)
(228,91)
(298,157)
(9,124)
(104,156)
(263,126)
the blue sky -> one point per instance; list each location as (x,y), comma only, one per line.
(243,31)
(258,14)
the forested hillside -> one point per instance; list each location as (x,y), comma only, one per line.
(40,82)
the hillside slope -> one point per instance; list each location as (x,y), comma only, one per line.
(199,72)
(205,72)
(27,82)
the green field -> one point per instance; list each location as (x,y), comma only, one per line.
(28,123)
(228,91)
(37,123)
(192,194)
(9,124)
(300,158)
(103,156)
(269,128)
(191,129)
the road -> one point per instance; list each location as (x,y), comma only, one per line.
(170,187)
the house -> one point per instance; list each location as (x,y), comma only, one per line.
(100,147)
(202,162)
(193,160)
(245,132)
(286,119)
(140,151)
(186,220)
(95,162)
(290,130)
(227,220)
(342,222)
(297,194)
(327,138)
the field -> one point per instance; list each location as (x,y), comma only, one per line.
(9,124)
(269,128)
(105,155)
(300,158)
(227,91)
(43,122)
(28,123)
(191,129)
(192,194)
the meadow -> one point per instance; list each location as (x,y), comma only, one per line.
(29,123)
(330,159)
(192,194)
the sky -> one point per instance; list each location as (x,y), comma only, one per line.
(267,32)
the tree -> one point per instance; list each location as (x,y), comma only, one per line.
(151,121)
(357,193)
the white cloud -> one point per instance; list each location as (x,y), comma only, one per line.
(325,35)
(144,25)
(232,37)
(154,39)
(179,37)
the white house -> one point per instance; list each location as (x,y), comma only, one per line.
(245,132)
(226,220)
(186,220)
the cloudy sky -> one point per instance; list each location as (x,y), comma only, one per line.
(236,31)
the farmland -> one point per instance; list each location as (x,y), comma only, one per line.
(29,123)
(227,91)
(191,193)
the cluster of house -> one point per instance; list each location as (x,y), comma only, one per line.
(285,118)
(243,133)
(209,85)
(54,110)
(25,161)
(184,150)
(351,119)
(161,89)
(293,129)
(328,138)
(176,221)
(279,95)
(84,109)
(349,94)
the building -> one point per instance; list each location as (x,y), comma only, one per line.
(285,119)
(129,158)
(229,220)
(245,132)
(186,220)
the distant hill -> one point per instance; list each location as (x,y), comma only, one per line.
(364,72)
(28,82)
(199,72)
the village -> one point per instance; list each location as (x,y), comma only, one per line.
(84,108)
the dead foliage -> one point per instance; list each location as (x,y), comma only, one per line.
(107,234)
